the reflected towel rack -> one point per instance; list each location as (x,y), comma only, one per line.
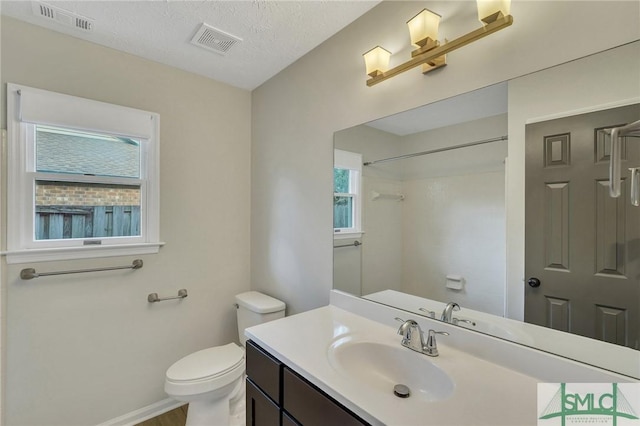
(356,243)
(29,273)
(378,196)
(630,130)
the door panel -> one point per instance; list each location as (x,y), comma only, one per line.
(612,325)
(557,230)
(582,245)
(558,316)
(610,230)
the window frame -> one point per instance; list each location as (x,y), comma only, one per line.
(22,176)
(351,161)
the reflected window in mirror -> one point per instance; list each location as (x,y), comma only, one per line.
(347,190)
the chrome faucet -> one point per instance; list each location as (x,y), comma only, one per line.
(413,338)
(446,314)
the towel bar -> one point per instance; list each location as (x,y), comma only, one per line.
(29,273)
(153,297)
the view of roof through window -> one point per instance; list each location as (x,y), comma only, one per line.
(61,150)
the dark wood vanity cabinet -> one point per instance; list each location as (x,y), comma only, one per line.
(263,395)
(261,410)
(312,407)
(278,396)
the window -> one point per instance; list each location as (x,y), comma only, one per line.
(83,177)
(346,192)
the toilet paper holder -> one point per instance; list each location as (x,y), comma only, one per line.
(454,282)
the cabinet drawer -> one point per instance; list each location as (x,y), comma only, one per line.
(261,411)
(310,406)
(263,370)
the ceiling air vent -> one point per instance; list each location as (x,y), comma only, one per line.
(214,39)
(61,16)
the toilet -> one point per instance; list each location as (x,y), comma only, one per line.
(212,380)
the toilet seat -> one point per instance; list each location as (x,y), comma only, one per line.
(206,370)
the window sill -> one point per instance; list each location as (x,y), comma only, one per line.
(72,253)
(347,235)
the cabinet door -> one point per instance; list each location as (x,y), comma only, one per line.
(310,406)
(264,370)
(261,411)
(288,421)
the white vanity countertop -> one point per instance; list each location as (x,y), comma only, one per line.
(590,351)
(484,394)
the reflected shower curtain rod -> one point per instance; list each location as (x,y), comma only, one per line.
(433,151)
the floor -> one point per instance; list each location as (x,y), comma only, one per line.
(176,417)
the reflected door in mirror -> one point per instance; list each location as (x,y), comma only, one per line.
(581,244)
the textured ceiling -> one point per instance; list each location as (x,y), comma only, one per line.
(274,33)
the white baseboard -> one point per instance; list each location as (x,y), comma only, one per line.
(144,413)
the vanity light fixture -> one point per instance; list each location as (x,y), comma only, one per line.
(423,31)
(423,28)
(376,61)
(491,10)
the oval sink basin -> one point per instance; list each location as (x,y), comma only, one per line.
(380,367)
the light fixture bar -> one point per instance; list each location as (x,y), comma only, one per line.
(430,54)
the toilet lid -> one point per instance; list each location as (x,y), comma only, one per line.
(207,363)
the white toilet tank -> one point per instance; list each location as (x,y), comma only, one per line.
(254,308)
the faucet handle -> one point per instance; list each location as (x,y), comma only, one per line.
(456,321)
(430,314)
(431,348)
(403,326)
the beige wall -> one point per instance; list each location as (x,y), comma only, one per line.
(86,348)
(295,114)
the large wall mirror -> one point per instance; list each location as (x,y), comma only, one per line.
(422,198)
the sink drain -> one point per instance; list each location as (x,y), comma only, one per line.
(401,391)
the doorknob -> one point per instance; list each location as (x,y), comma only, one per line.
(533,282)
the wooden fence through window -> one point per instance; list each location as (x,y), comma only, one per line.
(60,222)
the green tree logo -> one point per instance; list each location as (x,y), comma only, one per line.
(588,405)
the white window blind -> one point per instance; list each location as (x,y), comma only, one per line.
(347,160)
(56,109)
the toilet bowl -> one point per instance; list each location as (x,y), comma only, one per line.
(212,380)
